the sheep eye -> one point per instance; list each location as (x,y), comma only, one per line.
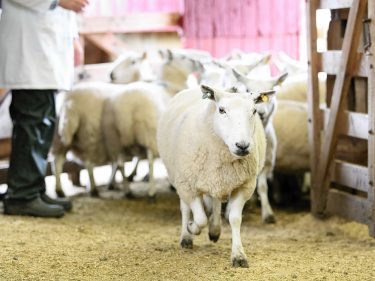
(234,90)
(255,111)
(247,91)
(222,110)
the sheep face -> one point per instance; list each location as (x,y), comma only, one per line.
(127,69)
(256,86)
(181,64)
(234,118)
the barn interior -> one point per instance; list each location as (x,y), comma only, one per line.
(126,219)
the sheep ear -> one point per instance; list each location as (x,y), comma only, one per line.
(281,78)
(208,93)
(169,55)
(263,96)
(239,76)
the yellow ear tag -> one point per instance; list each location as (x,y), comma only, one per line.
(265,98)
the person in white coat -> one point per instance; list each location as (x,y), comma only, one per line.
(36,60)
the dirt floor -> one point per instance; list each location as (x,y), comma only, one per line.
(117,239)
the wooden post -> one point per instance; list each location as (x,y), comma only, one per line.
(313,96)
(371,123)
(340,90)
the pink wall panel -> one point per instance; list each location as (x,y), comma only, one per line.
(251,25)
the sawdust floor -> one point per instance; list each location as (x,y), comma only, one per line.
(117,239)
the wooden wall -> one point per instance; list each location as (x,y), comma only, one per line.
(252,25)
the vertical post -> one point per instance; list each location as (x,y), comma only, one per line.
(371,117)
(313,97)
(348,62)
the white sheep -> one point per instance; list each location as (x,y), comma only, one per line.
(130,117)
(79,129)
(291,127)
(295,86)
(213,149)
(266,112)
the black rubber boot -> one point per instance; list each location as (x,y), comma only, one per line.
(63,202)
(35,207)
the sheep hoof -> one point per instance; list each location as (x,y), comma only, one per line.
(130,178)
(269,219)
(240,262)
(129,195)
(94,193)
(186,243)
(172,188)
(214,237)
(60,193)
(151,199)
(112,186)
(146,178)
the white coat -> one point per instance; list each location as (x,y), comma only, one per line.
(36,45)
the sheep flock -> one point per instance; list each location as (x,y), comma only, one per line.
(222,127)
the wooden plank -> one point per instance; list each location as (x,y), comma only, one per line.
(314,118)
(131,23)
(351,123)
(352,150)
(347,205)
(351,175)
(108,43)
(340,90)
(360,94)
(371,112)
(330,63)
(335,4)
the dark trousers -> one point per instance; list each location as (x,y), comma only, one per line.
(34,116)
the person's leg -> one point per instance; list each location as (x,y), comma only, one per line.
(33,115)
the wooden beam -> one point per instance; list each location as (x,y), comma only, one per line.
(351,175)
(347,205)
(335,4)
(314,118)
(330,63)
(340,90)
(132,23)
(351,123)
(371,125)
(107,42)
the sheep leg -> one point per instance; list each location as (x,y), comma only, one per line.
(93,190)
(112,178)
(125,182)
(186,240)
(57,170)
(134,172)
(199,216)
(234,213)
(214,223)
(262,189)
(151,183)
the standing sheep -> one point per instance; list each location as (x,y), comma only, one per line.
(131,116)
(213,149)
(266,113)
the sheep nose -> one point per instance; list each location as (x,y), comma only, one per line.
(242,145)
(112,75)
